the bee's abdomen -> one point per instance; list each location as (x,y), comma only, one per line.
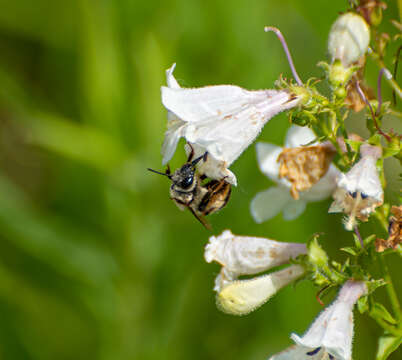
(216,198)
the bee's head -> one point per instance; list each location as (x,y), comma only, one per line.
(183,179)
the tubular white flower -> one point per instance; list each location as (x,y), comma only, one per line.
(240,297)
(246,255)
(223,120)
(349,38)
(267,204)
(359,191)
(331,334)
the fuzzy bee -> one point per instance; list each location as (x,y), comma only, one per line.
(189,191)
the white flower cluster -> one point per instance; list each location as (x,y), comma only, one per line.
(222,121)
(330,335)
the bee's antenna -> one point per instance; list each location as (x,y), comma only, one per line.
(160,173)
(202,157)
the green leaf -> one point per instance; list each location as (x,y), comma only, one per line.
(374,284)
(379,310)
(375,139)
(350,250)
(387,344)
(393,148)
(316,254)
(362,304)
(357,242)
(355,145)
(369,239)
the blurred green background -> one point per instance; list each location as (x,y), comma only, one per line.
(95,261)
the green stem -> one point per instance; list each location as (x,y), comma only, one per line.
(400,9)
(393,297)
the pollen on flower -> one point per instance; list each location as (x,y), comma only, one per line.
(304,166)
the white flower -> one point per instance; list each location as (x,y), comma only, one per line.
(349,38)
(331,334)
(240,297)
(246,255)
(359,191)
(266,204)
(223,120)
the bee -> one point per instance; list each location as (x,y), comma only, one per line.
(189,191)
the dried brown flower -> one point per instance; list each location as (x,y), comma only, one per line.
(394,231)
(304,166)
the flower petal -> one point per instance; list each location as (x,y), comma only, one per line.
(243,296)
(174,127)
(297,352)
(363,177)
(266,204)
(212,167)
(172,137)
(333,328)
(324,187)
(246,255)
(293,209)
(170,79)
(225,119)
(298,136)
(267,156)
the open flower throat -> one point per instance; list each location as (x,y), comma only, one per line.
(304,166)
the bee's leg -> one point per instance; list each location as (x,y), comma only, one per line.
(206,224)
(191,155)
(205,158)
(203,177)
(221,184)
(216,185)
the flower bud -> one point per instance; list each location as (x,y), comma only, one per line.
(243,296)
(348,39)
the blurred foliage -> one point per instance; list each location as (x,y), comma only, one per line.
(95,260)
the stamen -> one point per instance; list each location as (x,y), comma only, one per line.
(287,52)
(313,352)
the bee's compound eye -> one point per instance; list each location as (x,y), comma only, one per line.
(187,182)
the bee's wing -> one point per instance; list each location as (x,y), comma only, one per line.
(224,119)
(201,219)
